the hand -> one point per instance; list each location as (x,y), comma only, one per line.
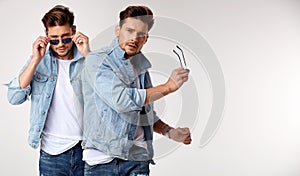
(39,48)
(181,135)
(82,43)
(177,78)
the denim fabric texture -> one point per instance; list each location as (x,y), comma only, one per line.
(40,91)
(68,163)
(118,167)
(113,104)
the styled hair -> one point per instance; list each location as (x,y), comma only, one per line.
(58,16)
(142,13)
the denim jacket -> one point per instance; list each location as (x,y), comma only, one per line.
(41,90)
(113,103)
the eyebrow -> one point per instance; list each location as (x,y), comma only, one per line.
(63,35)
(129,28)
(139,33)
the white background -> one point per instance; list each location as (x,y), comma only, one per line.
(257,43)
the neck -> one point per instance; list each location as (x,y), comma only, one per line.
(126,56)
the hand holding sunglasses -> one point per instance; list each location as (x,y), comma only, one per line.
(39,48)
(82,43)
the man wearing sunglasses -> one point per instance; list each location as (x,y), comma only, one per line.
(51,78)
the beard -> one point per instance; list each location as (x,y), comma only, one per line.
(68,53)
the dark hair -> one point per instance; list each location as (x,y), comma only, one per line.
(142,13)
(58,16)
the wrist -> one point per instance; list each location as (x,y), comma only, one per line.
(167,133)
(85,53)
(167,88)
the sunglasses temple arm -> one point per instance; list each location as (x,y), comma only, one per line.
(178,57)
(182,55)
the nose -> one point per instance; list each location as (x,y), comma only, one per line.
(60,42)
(134,36)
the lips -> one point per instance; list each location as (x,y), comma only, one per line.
(61,49)
(132,45)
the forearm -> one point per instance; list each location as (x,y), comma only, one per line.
(176,80)
(155,93)
(160,127)
(26,76)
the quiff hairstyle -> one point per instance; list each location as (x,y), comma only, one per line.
(142,13)
(58,16)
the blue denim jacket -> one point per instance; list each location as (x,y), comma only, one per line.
(41,90)
(113,104)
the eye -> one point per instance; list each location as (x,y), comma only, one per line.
(130,30)
(142,34)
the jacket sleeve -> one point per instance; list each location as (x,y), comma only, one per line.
(15,94)
(109,88)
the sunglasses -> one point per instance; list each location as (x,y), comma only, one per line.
(183,58)
(64,41)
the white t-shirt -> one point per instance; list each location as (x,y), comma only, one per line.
(63,126)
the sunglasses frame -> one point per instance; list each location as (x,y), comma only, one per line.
(183,58)
(63,40)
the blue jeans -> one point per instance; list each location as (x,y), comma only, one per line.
(68,163)
(118,167)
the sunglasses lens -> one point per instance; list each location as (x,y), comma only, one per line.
(54,42)
(66,40)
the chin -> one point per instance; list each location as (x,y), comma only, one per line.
(131,52)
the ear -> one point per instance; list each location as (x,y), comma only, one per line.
(117,30)
(74,29)
(146,38)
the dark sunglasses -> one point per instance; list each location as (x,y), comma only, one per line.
(64,41)
(183,58)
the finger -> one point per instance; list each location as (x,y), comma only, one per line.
(41,44)
(80,38)
(188,140)
(76,37)
(183,71)
(185,79)
(178,69)
(180,75)
(184,130)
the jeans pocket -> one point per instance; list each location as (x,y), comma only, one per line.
(44,155)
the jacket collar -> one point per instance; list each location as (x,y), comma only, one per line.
(76,53)
(139,61)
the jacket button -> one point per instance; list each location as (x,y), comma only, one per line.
(43,113)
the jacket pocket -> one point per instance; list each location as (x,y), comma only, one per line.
(38,83)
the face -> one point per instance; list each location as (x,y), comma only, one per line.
(132,36)
(63,49)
